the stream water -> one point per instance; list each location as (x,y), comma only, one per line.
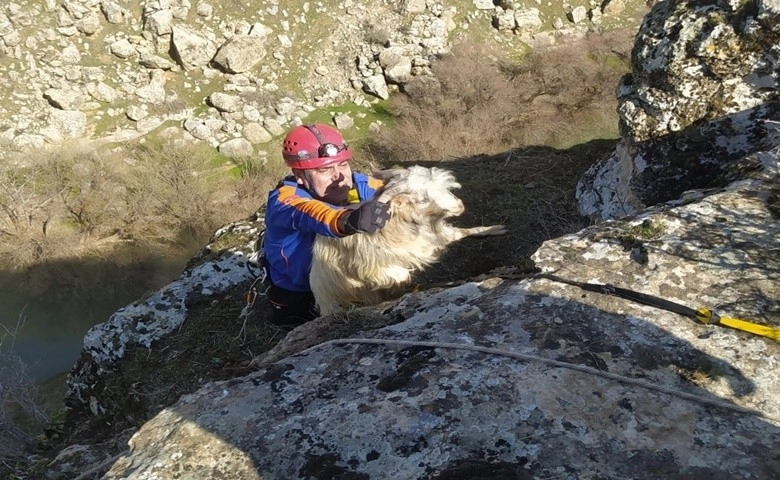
(47,330)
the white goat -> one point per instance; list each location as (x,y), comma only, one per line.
(365,269)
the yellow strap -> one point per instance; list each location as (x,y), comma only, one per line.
(763,330)
(706,316)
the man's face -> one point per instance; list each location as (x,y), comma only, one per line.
(330,184)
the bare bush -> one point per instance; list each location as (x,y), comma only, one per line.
(86,186)
(29,208)
(179,195)
(255,179)
(468,110)
(568,93)
(117,206)
(21,417)
(483,102)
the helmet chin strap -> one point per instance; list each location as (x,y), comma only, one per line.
(301,178)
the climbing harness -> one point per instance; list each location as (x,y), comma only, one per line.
(703,315)
(256,266)
(253,292)
(706,401)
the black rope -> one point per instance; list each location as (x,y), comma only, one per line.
(643,298)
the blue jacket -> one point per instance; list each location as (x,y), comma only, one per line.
(292,220)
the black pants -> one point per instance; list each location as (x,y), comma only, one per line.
(290,309)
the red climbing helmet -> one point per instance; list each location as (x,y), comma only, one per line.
(314,146)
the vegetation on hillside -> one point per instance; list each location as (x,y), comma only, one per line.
(20,410)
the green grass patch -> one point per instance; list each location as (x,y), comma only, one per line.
(647,230)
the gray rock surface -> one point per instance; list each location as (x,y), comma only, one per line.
(507,376)
(531,378)
(151,319)
(692,108)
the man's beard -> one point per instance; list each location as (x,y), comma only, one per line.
(336,194)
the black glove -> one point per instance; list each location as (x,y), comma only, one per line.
(368,217)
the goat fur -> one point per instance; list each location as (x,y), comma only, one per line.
(365,269)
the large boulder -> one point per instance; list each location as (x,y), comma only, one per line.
(190,49)
(240,53)
(704,76)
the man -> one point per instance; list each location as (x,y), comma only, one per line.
(323,196)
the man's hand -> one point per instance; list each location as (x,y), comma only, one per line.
(368,217)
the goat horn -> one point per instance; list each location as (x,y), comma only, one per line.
(387,192)
(390,173)
(391,187)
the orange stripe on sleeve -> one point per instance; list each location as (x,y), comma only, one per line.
(318,210)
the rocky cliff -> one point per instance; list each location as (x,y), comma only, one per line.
(703,81)
(104,72)
(510,378)
(513,375)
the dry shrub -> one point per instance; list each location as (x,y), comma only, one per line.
(568,92)
(29,205)
(117,211)
(483,102)
(21,417)
(467,110)
(178,198)
(256,178)
(87,186)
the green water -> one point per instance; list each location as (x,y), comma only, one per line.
(46,329)
(49,335)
